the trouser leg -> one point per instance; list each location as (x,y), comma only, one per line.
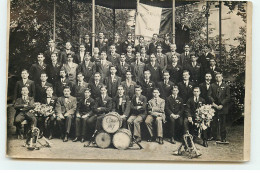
(185,125)
(149,124)
(51,124)
(61,125)
(78,126)
(130,122)
(137,128)
(159,125)
(68,123)
(99,123)
(40,123)
(83,127)
(223,131)
(18,120)
(124,123)
(172,123)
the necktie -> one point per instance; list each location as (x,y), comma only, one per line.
(196,99)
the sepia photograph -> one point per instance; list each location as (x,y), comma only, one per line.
(129,80)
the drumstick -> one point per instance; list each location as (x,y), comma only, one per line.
(92,139)
(139,145)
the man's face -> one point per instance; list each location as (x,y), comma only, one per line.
(153,58)
(206,49)
(51,43)
(97,77)
(80,77)
(219,78)
(175,91)
(196,92)
(143,50)
(128,75)
(129,36)
(49,91)
(156,93)
(141,40)
(103,56)
(87,94)
(25,74)
(173,47)
(40,58)
(174,59)
(101,35)
(87,57)
(66,92)
(155,37)
(182,21)
(62,73)
(54,57)
(193,58)
(103,91)
(147,75)
(43,77)
(129,49)
(112,49)
(137,56)
(212,62)
(187,48)
(122,58)
(166,76)
(120,91)
(159,49)
(82,48)
(208,77)
(96,50)
(186,76)
(116,36)
(166,37)
(70,58)
(87,37)
(25,91)
(138,91)
(68,45)
(113,70)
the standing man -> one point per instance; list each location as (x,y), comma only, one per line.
(185,57)
(95,85)
(41,88)
(87,68)
(80,87)
(113,57)
(103,66)
(166,44)
(144,57)
(213,69)
(220,97)
(140,44)
(71,68)
(147,85)
(128,41)
(138,112)
(174,112)
(161,58)
(50,50)
(195,69)
(174,69)
(101,42)
(64,55)
(123,67)
(182,35)
(112,82)
(154,68)
(79,57)
(84,114)
(172,53)
(153,44)
(96,56)
(205,87)
(166,85)
(121,105)
(53,69)
(61,83)
(129,85)
(117,43)
(137,68)
(65,109)
(204,59)
(156,113)
(37,68)
(185,87)
(130,57)
(87,44)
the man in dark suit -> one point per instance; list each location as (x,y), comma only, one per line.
(144,57)
(165,86)
(129,85)
(121,105)
(84,114)
(112,82)
(138,112)
(185,87)
(155,69)
(174,69)
(128,41)
(95,85)
(41,88)
(205,58)
(140,44)
(195,69)
(101,43)
(103,105)
(113,57)
(50,100)
(23,106)
(182,35)
(116,42)
(185,57)
(65,110)
(79,57)
(147,85)
(213,69)
(123,67)
(25,82)
(87,68)
(174,112)
(87,44)
(130,57)
(160,57)
(61,83)
(193,104)
(96,55)
(137,68)
(153,44)
(166,44)
(64,55)
(205,87)
(172,53)
(50,50)
(37,68)
(80,87)
(103,66)
(219,94)
(53,69)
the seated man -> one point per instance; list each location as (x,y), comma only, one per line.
(193,104)
(138,112)
(121,105)
(156,112)
(23,105)
(84,113)
(174,112)
(65,109)
(103,105)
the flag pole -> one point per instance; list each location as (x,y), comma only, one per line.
(93,25)
(54,20)
(173,21)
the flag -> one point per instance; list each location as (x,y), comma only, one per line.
(151,20)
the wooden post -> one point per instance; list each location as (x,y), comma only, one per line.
(114,20)
(220,29)
(54,20)
(173,21)
(93,25)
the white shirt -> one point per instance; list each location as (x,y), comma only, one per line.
(43,84)
(207,85)
(174,64)
(166,82)
(81,54)
(48,100)
(196,99)
(219,83)
(186,83)
(120,100)
(24,81)
(103,97)
(112,77)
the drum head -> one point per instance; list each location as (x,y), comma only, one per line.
(103,139)
(111,122)
(122,139)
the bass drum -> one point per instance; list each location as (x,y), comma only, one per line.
(111,122)
(103,139)
(122,139)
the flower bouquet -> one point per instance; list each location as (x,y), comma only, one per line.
(204,115)
(42,110)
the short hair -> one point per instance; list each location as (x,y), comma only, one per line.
(25,87)
(137,52)
(49,87)
(128,71)
(165,71)
(24,70)
(186,71)
(80,73)
(159,45)
(138,86)
(156,89)
(186,45)
(155,34)
(112,45)
(167,34)
(130,45)
(66,87)
(208,73)
(87,89)
(213,59)
(175,87)
(128,33)
(152,54)
(143,47)
(141,37)
(81,45)
(97,73)
(54,53)
(69,55)
(40,54)
(193,54)
(112,66)
(63,69)
(44,73)
(103,86)
(103,52)
(122,54)
(196,88)
(147,71)
(121,86)
(219,73)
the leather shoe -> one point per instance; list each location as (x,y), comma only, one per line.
(173,141)
(205,143)
(82,140)
(138,139)
(50,137)
(75,140)
(150,139)
(223,140)
(65,138)
(160,140)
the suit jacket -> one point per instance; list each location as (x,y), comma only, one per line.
(68,107)
(165,90)
(104,105)
(185,92)
(192,106)
(152,47)
(165,47)
(71,71)
(204,61)
(80,90)
(60,86)
(47,55)
(138,47)
(137,70)
(41,91)
(195,72)
(19,85)
(147,88)
(221,96)
(103,46)
(87,71)
(95,90)
(174,106)
(103,69)
(35,72)
(112,85)
(125,106)
(52,102)
(129,89)
(19,104)
(129,59)
(182,36)
(95,58)
(175,72)
(63,59)
(156,71)
(169,56)
(114,59)
(157,108)
(78,59)
(162,61)
(53,72)
(142,102)
(145,58)
(121,70)
(85,106)
(184,60)
(88,47)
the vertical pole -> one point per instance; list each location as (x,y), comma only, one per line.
(207,15)
(71,18)
(173,21)
(220,29)
(54,19)
(93,25)
(114,21)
